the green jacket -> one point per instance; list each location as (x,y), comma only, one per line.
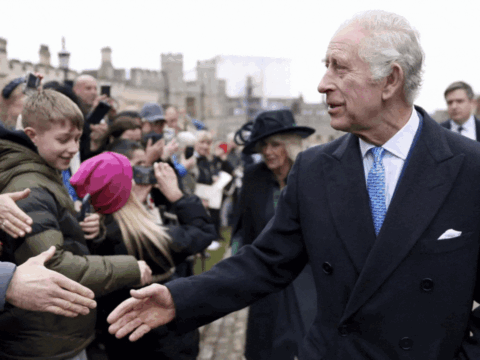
(37,335)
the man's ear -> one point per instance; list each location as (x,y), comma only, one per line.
(394,82)
(31,133)
(474,104)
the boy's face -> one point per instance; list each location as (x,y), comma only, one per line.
(58,144)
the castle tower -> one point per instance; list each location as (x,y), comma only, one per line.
(106,68)
(106,55)
(4,68)
(207,81)
(207,75)
(174,86)
(44,55)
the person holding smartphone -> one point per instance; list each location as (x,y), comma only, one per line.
(134,229)
(32,158)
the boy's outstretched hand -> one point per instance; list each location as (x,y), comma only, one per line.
(148,308)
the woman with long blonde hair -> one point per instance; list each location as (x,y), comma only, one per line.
(136,229)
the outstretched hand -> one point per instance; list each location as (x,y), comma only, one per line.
(148,308)
(12,219)
(36,288)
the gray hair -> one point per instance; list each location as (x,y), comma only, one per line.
(186,138)
(292,142)
(392,40)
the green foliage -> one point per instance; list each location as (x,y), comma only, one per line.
(215,256)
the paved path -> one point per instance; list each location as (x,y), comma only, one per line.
(224,339)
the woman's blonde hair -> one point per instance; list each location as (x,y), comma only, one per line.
(140,231)
(203,135)
(292,142)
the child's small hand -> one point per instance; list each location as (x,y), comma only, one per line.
(91,226)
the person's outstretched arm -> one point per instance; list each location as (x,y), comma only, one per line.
(148,308)
(33,287)
(12,219)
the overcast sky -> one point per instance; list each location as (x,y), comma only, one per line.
(139,31)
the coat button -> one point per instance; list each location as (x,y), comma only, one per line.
(406,343)
(343,330)
(427,284)
(327,268)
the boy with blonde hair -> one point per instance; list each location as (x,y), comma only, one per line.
(33,158)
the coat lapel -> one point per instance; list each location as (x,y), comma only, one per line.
(428,178)
(344,175)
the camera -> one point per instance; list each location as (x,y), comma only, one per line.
(154,136)
(143,175)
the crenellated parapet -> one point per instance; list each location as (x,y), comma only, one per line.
(146,78)
(207,96)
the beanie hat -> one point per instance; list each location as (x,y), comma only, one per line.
(107,178)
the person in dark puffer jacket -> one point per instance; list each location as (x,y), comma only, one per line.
(134,230)
(32,159)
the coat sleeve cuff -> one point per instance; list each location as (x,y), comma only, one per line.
(6,274)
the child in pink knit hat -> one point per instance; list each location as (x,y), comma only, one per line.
(132,229)
(107,178)
(33,158)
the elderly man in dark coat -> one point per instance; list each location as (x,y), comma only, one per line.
(387,215)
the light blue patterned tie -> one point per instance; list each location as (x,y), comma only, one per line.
(376,188)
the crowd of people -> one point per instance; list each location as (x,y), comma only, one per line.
(112,204)
(363,248)
(109,203)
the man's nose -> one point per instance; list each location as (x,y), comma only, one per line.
(325,83)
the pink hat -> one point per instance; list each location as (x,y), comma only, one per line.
(107,178)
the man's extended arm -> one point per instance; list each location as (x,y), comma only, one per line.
(274,260)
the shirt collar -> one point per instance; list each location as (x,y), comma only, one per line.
(400,143)
(467,125)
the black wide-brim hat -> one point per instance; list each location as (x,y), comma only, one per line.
(273,122)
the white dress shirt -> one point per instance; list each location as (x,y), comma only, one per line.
(396,152)
(469,129)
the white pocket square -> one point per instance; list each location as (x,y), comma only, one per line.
(450,234)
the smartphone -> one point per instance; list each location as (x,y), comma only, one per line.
(143,175)
(105,90)
(31,83)
(99,113)
(189,150)
(154,136)
(85,209)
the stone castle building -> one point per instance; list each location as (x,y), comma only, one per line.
(204,98)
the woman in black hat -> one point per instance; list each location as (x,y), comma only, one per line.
(277,323)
